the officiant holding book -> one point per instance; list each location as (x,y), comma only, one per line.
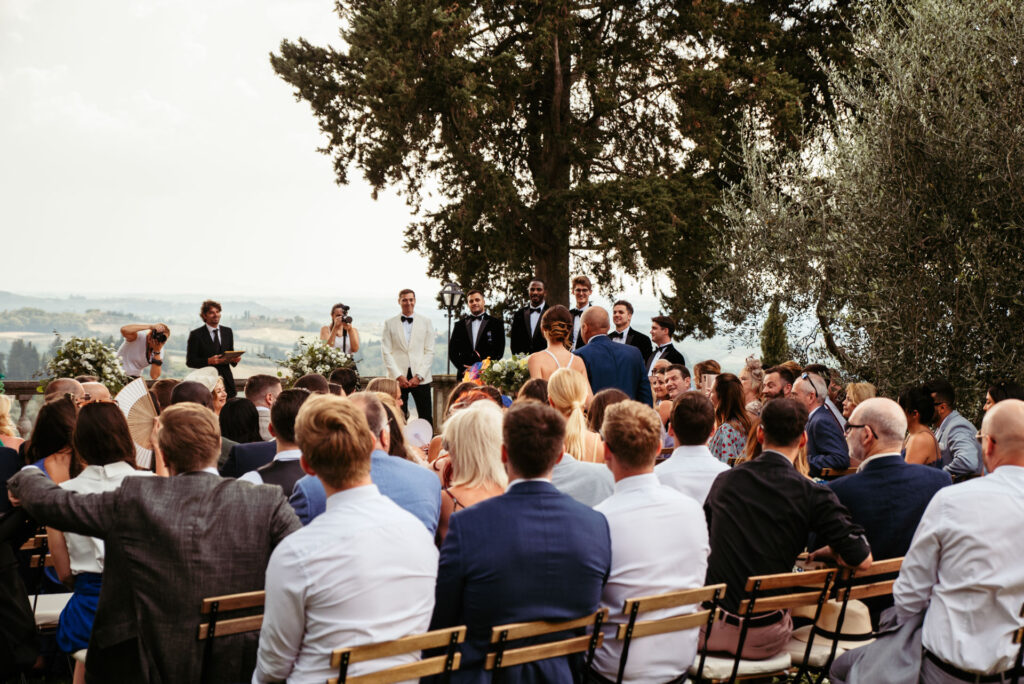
(211,344)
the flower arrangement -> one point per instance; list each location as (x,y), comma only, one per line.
(87,356)
(314,357)
(508,375)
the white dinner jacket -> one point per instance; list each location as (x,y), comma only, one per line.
(418,354)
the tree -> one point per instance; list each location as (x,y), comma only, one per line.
(901,231)
(564,133)
(774,344)
(22,361)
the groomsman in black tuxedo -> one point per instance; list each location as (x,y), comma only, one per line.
(207,344)
(581,289)
(662,328)
(622,316)
(476,337)
(526,335)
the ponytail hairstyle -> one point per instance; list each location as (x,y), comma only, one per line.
(567,392)
(557,324)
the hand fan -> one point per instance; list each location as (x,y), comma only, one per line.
(139,410)
(418,433)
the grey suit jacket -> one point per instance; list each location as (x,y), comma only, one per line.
(170,542)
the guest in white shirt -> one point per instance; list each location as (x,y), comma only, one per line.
(963,569)
(692,468)
(262,391)
(285,469)
(659,544)
(362,572)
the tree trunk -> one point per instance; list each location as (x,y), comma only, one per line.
(552,262)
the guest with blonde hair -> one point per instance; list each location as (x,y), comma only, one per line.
(388,386)
(752,376)
(9,436)
(856,392)
(567,393)
(472,438)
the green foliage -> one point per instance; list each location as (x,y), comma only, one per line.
(508,375)
(901,231)
(313,357)
(22,361)
(562,133)
(774,343)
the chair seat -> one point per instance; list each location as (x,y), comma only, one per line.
(48,608)
(819,652)
(716,667)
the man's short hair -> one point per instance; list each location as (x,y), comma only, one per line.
(403,292)
(86,378)
(473,292)
(284,411)
(539,280)
(533,435)
(665,322)
(784,373)
(623,302)
(633,432)
(683,370)
(162,388)
(258,385)
(336,389)
(335,439)
(347,378)
(189,436)
(314,382)
(373,410)
(783,421)
(205,307)
(582,280)
(191,391)
(818,384)
(819,368)
(943,391)
(693,418)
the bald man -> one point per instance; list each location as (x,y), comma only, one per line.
(95,391)
(609,364)
(963,570)
(58,387)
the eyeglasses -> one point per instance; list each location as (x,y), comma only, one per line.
(852,426)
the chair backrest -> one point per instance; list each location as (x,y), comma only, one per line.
(217,626)
(634,629)
(836,473)
(507,657)
(39,561)
(852,585)
(447,662)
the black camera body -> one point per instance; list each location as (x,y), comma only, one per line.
(345,318)
(158,336)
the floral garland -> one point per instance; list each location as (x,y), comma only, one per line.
(87,356)
(508,375)
(314,357)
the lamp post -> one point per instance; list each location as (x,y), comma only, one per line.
(451,299)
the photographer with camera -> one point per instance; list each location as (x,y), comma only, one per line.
(340,332)
(142,346)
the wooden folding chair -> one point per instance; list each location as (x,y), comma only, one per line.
(216,625)
(633,629)
(442,665)
(836,473)
(504,657)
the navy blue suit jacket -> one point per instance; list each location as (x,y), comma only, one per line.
(826,443)
(610,364)
(532,553)
(245,457)
(887,498)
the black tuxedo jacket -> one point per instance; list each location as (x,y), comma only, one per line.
(638,340)
(490,343)
(200,348)
(522,341)
(671,355)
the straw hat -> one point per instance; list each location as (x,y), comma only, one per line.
(207,377)
(856,626)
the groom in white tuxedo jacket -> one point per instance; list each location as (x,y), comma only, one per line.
(408,350)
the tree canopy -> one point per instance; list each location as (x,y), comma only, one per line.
(564,133)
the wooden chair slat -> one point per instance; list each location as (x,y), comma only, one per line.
(1018,636)
(883,567)
(789,580)
(521,630)
(249,599)
(529,654)
(864,591)
(36,542)
(766,604)
(249,623)
(399,673)
(678,623)
(836,472)
(37,561)
(673,599)
(438,638)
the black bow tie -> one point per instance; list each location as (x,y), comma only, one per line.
(575,312)
(478,317)
(615,335)
(407,319)
(663,347)
(537,309)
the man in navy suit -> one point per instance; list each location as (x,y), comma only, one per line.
(610,364)
(826,445)
(887,496)
(532,553)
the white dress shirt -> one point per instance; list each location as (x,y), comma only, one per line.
(659,544)
(264,415)
(212,330)
(407,327)
(362,572)
(588,483)
(577,322)
(86,553)
(474,330)
(535,317)
(659,349)
(964,571)
(621,339)
(690,470)
(286,455)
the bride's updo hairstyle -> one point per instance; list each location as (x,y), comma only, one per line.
(557,324)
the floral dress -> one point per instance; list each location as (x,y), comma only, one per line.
(727,442)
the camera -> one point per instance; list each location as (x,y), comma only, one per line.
(158,336)
(345,318)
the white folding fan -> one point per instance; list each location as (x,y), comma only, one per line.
(139,410)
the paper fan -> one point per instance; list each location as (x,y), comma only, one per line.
(139,410)
(418,432)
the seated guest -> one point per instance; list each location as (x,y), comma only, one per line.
(602,400)
(677,381)
(49,448)
(104,446)
(397,445)
(919,446)
(314,383)
(588,483)
(9,436)
(194,392)
(961,452)
(826,445)
(691,468)
(659,544)
(94,391)
(262,391)
(240,421)
(835,391)
(534,389)
(204,536)
(702,368)
(529,554)
(658,385)
(387,385)
(58,387)
(778,383)
(472,438)
(752,377)
(856,392)
(567,392)
(411,486)
(284,469)
(162,389)
(1002,390)
(362,572)
(335,389)
(732,422)
(760,514)
(347,378)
